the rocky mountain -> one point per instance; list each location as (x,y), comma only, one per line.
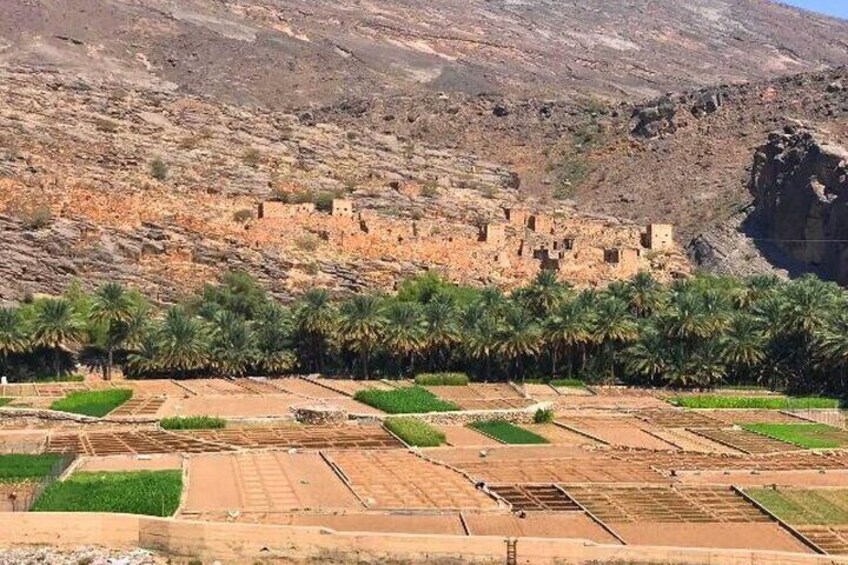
(284,53)
(139,138)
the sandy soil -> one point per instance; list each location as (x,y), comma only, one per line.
(752,417)
(558,435)
(830,478)
(768,536)
(688,441)
(541,392)
(462,436)
(398,479)
(232,406)
(131,463)
(610,403)
(617,431)
(154,387)
(306,389)
(574,470)
(542,525)
(265,482)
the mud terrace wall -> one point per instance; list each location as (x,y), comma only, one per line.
(247,542)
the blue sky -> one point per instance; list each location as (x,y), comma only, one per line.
(831,7)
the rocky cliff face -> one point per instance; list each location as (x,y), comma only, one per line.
(799,181)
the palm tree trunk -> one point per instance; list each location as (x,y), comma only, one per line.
(56,364)
(110,359)
(553,361)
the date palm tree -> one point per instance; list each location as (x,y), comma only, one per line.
(614,326)
(233,345)
(112,307)
(183,342)
(404,334)
(519,337)
(274,328)
(480,329)
(13,338)
(443,330)
(316,319)
(743,344)
(568,327)
(361,327)
(55,325)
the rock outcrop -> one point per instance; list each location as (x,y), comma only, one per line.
(799,182)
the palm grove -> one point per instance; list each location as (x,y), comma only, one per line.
(697,332)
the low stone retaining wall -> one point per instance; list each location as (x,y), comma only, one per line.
(250,542)
(33,416)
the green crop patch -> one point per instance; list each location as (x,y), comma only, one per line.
(409,400)
(193,423)
(568,383)
(804,506)
(16,468)
(506,432)
(5,401)
(151,493)
(810,436)
(755,402)
(93,403)
(441,379)
(415,432)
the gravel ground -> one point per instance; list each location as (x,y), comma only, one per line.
(79,556)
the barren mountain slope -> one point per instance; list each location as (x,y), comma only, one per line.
(103,182)
(289,52)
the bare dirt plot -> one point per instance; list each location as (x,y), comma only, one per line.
(265,482)
(128,442)
(463,436)
(232,406)
(349,387)
(349,405)
(131,463)
(820,478)
(832,539)
(766,536)
(306,389)
(301,437)
(212,387)
(51,390)
(482,396)
(154,387)
(541,392)
(565,525)
(690,441)
(567,402)
(678,418)
(401,480)
(633,504)
(557,435)
(565,470)
(741,417)
(535,498)
(745,441)
(139,406)
(617,431)
(787,461)
(257,385)
(445,524)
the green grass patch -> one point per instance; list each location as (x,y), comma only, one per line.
(441,379)
(805,506)
(507,433)
(415,432)
(193,423)
(93,403)
(754,402)
(16,468)
(409,400)
(810,436)
(570,383)
(5,401)
(152,493)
